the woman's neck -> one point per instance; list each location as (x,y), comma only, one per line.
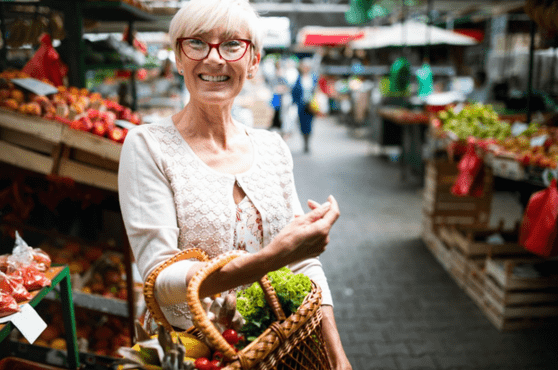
(213,124)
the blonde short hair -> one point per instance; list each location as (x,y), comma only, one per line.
(200,16)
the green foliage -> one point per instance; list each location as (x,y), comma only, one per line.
(291,290)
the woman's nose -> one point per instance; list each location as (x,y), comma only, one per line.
(214,54)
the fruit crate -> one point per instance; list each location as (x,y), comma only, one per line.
(89,159)
(444,208)
(50,147)
(29,142)
(520,293)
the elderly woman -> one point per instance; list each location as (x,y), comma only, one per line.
(200,179)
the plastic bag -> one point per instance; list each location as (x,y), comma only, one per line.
(470,180)
(539,228)
(22,254)
(13,285)
(8,304)
(46,63)
(33,279)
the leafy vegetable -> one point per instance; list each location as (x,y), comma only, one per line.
(291,290)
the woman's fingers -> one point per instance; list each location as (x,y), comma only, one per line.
(312,204)
(333,212)
(319,212)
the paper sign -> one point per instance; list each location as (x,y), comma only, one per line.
(518,128)
(35,86)
(538,140)
(28,322)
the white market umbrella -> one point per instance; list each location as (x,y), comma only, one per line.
(410,33)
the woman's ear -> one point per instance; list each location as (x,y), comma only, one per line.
(254,64)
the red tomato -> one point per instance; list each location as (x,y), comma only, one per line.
(203,363)
(217,356)
(231,336)
(215,365)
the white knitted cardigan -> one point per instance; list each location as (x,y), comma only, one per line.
(171,200)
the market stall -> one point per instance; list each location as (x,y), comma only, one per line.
(484,260)
(59,153)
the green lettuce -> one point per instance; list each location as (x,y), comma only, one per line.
(291,290)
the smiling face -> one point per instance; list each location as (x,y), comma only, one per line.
(213,80)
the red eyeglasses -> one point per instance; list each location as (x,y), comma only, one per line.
(229,50)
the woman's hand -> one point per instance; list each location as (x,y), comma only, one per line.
(306,236)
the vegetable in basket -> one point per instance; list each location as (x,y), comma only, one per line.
(291,290)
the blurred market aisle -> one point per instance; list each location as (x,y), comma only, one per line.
(396,307)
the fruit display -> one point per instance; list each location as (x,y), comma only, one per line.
(94,269)
(77,108)
(97,333)
(530,144)
(475,120)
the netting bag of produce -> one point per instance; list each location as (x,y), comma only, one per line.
(470,180)
(539,228)
(13,285)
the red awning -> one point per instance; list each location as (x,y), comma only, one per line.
(331,39)
(476,34)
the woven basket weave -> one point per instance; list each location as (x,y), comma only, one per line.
(293,343)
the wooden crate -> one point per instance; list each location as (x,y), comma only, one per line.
(438,248)
(90,159)
(472,241)
(445,208)
(512,300)
(50,147)
(29,142)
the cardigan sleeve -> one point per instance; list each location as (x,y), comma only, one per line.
(149,214)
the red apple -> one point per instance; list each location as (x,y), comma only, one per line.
(99,128)
(116,134)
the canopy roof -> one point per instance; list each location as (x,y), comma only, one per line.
(410,33)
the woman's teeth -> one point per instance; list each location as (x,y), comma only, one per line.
(214,78)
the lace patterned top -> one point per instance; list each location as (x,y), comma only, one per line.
(248,231)
(171,200)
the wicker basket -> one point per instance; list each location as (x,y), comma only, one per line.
(293,343)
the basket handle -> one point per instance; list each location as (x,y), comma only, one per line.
(199,316)
(149,284)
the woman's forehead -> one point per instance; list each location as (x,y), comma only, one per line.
(222,32)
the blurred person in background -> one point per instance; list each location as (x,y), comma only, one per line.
(302,93)
(280,88)
(201,179)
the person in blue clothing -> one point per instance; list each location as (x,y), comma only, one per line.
(302,92)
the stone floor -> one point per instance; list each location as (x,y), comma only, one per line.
(396,307)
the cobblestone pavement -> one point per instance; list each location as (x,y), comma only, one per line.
(396,307)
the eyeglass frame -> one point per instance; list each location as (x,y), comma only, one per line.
(211,46)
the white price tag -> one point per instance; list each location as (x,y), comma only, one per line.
(28,322)
(35,86)
(538,140)
(518,128)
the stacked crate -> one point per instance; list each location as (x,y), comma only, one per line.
(494,276)
(442,208)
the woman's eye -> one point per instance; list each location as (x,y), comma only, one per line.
(193,43)
(232,44)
